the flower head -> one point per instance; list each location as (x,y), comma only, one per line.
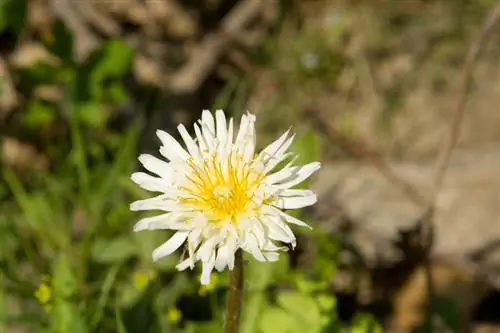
(219,196)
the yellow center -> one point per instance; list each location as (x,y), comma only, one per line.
(221,195)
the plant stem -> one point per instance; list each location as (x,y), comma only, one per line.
(235,295)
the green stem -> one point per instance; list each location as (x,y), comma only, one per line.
(235,295)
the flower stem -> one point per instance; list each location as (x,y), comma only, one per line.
(235,295)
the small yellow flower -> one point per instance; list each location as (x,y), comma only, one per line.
(174,315)
(44,293)
(210,287)
(143,278)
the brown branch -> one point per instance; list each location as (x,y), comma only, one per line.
(205,57)
(450,142)
(473,54)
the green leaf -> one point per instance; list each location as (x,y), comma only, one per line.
(276,320)
(110,62)
(12,15)
(259,276)
(104,296)
(119,322)
(302,307)
(112,250)
(66,316)
(62,45)
(39,113)
(365,323)
(91,114)
(306,146)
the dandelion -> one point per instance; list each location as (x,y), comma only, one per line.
(219,196)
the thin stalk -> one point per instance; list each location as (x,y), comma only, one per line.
(235,295)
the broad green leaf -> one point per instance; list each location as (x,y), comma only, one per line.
(306,146)
(112,250)
(301,306)
(259,276)
(276,320)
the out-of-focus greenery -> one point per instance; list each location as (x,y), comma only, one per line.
(69,259)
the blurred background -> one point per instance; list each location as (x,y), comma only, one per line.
(369,87)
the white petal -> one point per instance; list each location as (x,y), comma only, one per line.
(201,141)
(232,247)
(208,120)
(156,222)
(292,220)
(207,248)
(148,182)
(193,149)
(170,246)
(220,118)
(155,165)
(271,149)
(277,230)
(242,130)
(171,148)
(295,192)
(271,256)
(271,247)
(208,128)
(281,175)
(183,265)
(251,245)
(280,155)
(156,203)
(222,256)
(208,266)
(295,202)
(301,174)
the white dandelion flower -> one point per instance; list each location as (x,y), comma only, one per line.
(219,196)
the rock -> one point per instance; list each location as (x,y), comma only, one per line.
(467,208)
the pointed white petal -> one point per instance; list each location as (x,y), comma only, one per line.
(171,148)
(291,219)
(220,118)
(148,182)
(295,202)
(183,265)
(208,266)
(170,246)
(155,165)
(301,174)
(191,146)
(271,256)
(271,149)
(208,120)
(156,222)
